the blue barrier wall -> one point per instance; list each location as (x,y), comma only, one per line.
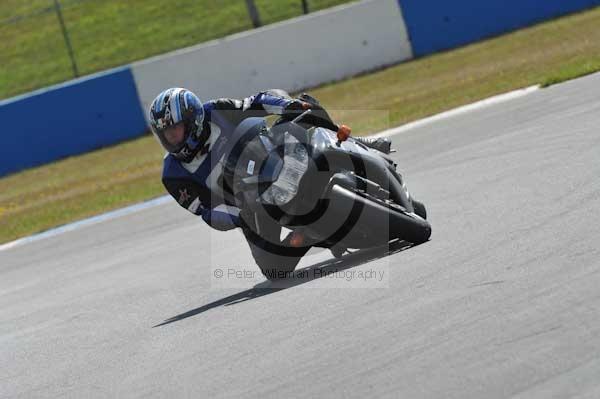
(69,119)
(441,24)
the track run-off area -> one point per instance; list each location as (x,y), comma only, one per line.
(502,302)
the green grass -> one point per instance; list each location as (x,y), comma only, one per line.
(77,187)
(108,33)
(572,71)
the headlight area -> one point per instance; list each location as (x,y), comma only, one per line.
(295,164)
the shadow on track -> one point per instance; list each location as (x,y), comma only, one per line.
(329,266)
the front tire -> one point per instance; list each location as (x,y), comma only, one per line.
(374,212)
(419,208)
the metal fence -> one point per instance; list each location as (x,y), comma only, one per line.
(48,41)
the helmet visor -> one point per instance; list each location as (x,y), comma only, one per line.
(173,137)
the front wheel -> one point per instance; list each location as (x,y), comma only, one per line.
(419,208)
(370,213)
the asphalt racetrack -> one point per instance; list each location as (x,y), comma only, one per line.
(503,302)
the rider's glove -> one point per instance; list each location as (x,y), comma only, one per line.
(295,108)
(318,116)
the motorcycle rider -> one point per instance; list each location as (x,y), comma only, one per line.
(194,135)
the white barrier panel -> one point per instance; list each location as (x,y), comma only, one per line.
(303,52)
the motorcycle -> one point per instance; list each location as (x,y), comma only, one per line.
(332,189)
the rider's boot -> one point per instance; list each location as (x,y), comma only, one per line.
(337,251)
(382,144)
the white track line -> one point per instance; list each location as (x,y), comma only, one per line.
(87,222)
(162,200)
(501,98)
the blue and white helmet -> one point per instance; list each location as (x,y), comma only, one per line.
(174,106)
